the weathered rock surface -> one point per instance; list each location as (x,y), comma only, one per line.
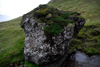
(44,51)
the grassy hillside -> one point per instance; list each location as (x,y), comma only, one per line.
(11,42)
(88,40)
(89,9)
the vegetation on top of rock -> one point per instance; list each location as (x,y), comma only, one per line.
(53,29)
(55,19)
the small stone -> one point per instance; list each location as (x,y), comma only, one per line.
(49,16)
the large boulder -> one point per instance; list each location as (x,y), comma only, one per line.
(48,33)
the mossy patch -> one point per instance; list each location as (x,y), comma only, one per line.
(75,44)
(87,42)
(54,19)
(91,51)
(28,64)
(11,42)
(53,29)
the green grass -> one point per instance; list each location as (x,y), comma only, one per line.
(89,9)
(11,42)
(88,40)
(28,64)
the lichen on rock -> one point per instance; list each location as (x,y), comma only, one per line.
(48,32)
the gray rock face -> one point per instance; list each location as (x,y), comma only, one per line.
(48,52)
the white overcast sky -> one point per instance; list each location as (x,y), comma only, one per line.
(10,9)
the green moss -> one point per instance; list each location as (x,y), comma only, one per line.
(43,20)
(95,32)
(41,12)
(91,51)
(87,42)
(28,64)
(66,15)
(11,42)
(81,36)
(55,20)
(53,29)
(75,44)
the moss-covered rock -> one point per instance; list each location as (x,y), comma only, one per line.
(54,19)
(47,34)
